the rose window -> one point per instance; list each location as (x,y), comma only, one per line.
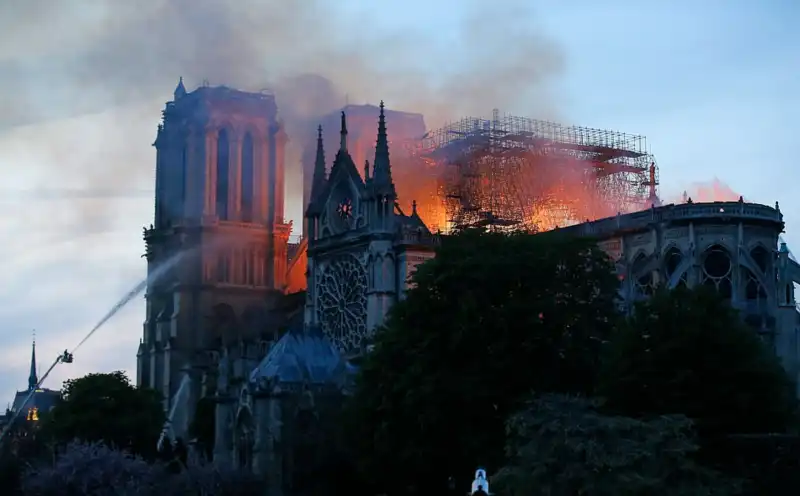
(342,305)
(717,269)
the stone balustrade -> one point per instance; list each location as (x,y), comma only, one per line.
(716,211)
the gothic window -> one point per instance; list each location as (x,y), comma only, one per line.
(181,201)
(342,290)
(717,269)
(161,198)
(753,289)
(223,269)
(754,293)
(258,276)
(250,269)
(244,439)
(760,256)
(223,168)
(672,260)
(248,180)
(645,282)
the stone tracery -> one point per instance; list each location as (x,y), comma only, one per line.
(716,270)
(342,289)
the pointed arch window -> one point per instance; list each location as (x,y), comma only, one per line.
(761,257)
(645,282)
(223,171)
(755,295)
(182,181)
(672,262)
(248,182)
(717,270)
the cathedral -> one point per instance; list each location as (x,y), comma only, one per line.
(268,329)
(271,331)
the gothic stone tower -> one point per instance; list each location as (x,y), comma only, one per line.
(216,250)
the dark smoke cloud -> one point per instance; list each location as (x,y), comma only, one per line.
(63,59)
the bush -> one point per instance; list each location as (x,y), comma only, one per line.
(564,445)
(96,470)
(688,352)
(770,463)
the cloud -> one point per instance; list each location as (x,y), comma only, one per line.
(87,83)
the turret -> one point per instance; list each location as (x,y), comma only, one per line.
(381,186)
(180,90)
(319,178)
(382,182)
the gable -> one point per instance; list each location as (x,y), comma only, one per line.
(340,205)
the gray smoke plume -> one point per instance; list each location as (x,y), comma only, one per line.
(64,59)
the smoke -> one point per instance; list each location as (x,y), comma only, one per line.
(121,60)
(709,191)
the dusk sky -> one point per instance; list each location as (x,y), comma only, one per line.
(713,84)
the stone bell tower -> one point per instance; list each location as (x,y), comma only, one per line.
(216,250)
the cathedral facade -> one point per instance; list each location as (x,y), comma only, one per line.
(266,329)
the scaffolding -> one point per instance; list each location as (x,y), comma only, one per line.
(513,172)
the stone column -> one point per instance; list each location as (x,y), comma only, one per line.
(210,197)
(262,168)
(223,434)
(281,138)
(235,177)
(268,456)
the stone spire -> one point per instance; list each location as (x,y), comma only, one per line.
(343,134)
(381,168)
(318,180)
(33,378)
(180,90)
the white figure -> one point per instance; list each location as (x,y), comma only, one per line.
(480,482)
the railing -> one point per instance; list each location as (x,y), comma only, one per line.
(670,213)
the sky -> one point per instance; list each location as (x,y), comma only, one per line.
(713,85)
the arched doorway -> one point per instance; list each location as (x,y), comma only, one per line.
(244,439)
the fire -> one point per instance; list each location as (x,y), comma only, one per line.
(549,192)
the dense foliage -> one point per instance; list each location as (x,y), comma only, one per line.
(107,408)
(687,351)
(562,445)
(491,318)
(96,470)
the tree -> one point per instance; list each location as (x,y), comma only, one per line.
(109,409)
(93,469)
(687,351)
(564,445)
(491,317)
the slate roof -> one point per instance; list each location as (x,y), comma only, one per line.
(43,399)
(302,356)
